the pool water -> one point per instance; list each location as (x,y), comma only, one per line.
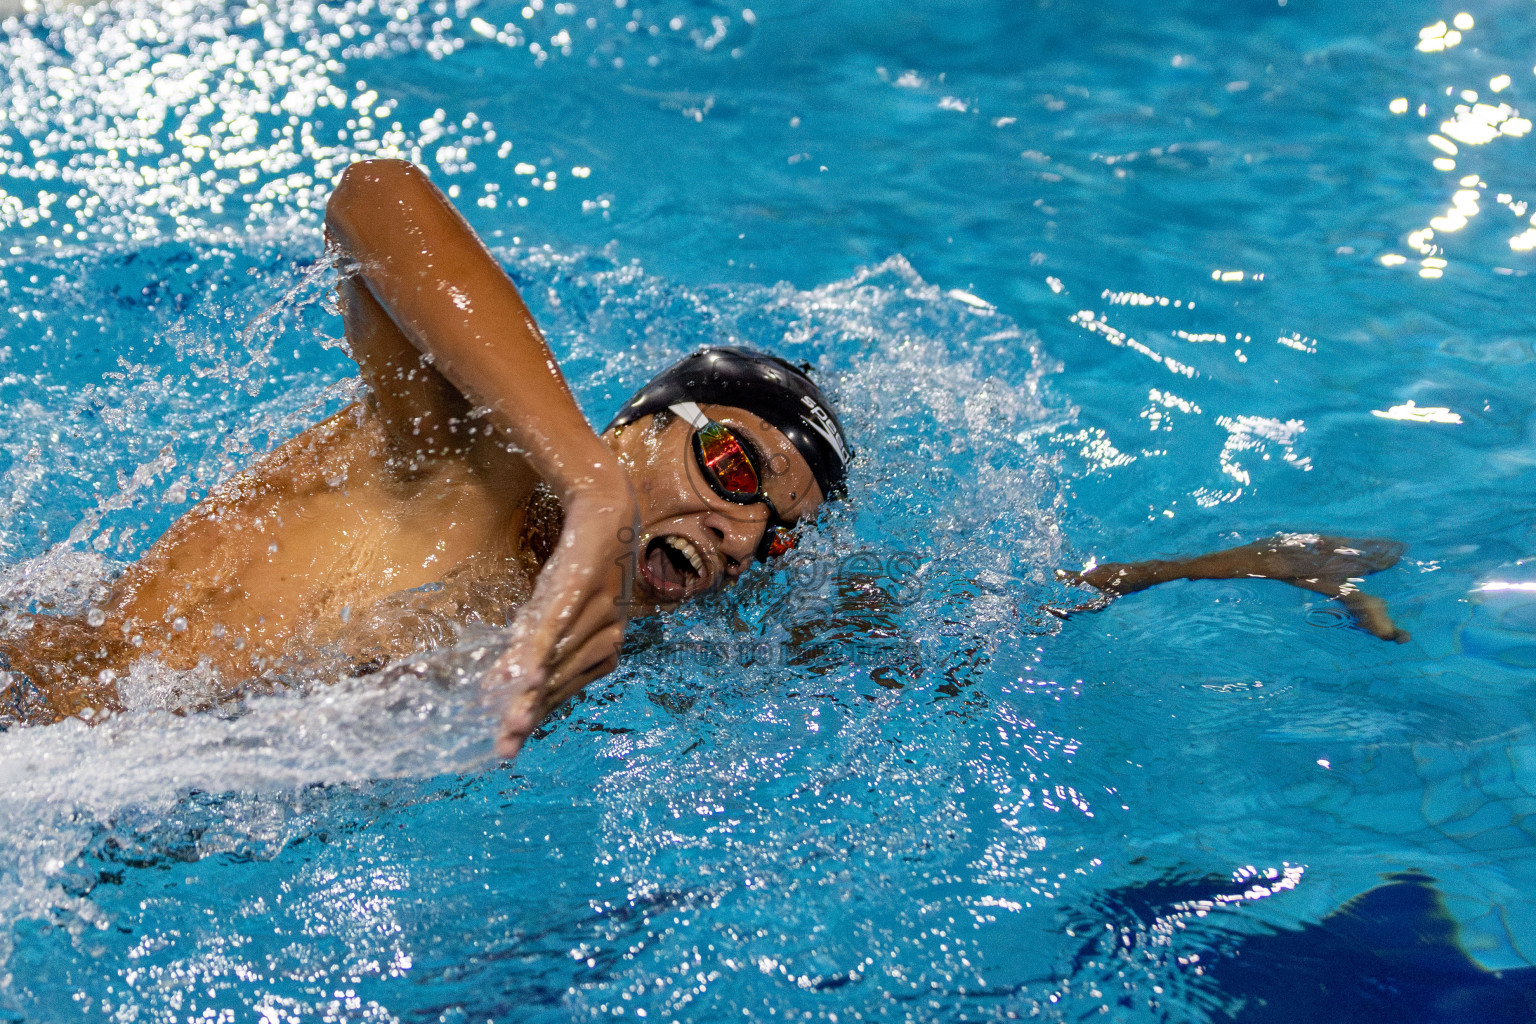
(1089,281)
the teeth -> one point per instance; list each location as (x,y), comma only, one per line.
(688,551)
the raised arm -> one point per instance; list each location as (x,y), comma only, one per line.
(1331,566)
(424,415)
(432,276)
(423,270)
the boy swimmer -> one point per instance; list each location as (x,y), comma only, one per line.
(469,486)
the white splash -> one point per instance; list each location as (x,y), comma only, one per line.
(1410,413)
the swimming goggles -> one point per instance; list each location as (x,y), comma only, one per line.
(731,472)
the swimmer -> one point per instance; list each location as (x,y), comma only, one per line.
(466,486)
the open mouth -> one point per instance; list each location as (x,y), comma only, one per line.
(674,567)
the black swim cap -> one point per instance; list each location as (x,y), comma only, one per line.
(764,385)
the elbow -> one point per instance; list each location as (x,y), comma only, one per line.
(367,185)
(371,174)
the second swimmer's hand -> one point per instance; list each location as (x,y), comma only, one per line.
(571,630)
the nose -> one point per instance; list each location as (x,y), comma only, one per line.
(737,535)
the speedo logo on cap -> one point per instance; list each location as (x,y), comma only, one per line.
(818,420)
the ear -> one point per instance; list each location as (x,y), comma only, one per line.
(652,422)
(632,441)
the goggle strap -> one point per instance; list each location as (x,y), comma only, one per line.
(691,414)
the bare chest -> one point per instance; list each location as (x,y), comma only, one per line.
(322,529)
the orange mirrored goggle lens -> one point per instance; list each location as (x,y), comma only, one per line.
(776,541)
(727,461)
(731,473)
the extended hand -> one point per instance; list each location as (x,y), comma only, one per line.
(571,631)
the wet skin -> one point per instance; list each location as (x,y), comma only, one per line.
(1331,566)
(313,536)
(682,517)
(429,481)
(293,553)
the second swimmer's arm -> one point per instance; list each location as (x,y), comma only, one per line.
(1330,566)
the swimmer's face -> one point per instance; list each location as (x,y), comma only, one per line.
(691,539)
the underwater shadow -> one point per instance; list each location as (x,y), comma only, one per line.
(1388,956)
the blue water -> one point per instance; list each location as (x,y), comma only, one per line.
(879,781)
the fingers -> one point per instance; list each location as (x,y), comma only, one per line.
(1098,604)
(593,660)
(569,602)
(552,652)
(1083,579)
(534,672)
(533,697)
(570,632)
(583,582)
(1370,614)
